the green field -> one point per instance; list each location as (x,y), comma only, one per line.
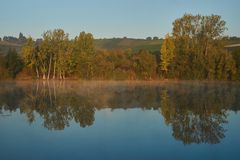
(128,43)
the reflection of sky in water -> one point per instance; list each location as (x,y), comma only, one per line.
(139,132)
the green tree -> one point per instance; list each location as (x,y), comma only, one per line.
(145,64)
(123,64)
(84,43)
(84,55)
(46,49)
(3,70)
(236,57)
(22,39)
(14,63)
(52,54)
(198,46)
(59,44)
(30,55)
(149,38)
(43,59)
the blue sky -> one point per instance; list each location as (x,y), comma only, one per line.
(109,18)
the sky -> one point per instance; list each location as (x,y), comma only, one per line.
(109,18)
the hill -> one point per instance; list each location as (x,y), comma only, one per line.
(126,43)
(10,42)
(114,43)
(5,46)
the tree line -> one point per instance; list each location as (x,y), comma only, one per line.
(20,40)
(194,50)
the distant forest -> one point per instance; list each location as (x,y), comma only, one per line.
(193,51)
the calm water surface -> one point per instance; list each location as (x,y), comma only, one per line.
(119,120)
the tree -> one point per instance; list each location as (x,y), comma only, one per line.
(47,53)
(43,59)
(59,42)
(30,55)
(3,70)
(236,57)
(167,53)
(22,39)
(123,65)
(84,43)
(14,63)
(10,39)
(149,38)
(198,46)
(84,54)
(194,51)
(52,51)
(102,65)
(145,64)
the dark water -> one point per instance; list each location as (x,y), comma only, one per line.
(119,120)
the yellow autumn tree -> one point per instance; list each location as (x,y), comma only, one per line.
(167,53)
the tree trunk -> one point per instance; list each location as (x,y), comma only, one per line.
(206,48)
(44,76)
(37,72)
(54,70)
(60,75)
(63,75)
(49,67)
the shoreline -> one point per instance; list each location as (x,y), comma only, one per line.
(164,81)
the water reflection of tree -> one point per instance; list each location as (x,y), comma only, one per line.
(56,106)
(10,96)
(196,113)
(145,97)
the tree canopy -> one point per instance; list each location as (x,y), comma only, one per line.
(194,50)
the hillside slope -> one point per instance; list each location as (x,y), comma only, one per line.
(5,46)
(112,43)
(126,43)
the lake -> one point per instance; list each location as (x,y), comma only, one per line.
(119,120)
